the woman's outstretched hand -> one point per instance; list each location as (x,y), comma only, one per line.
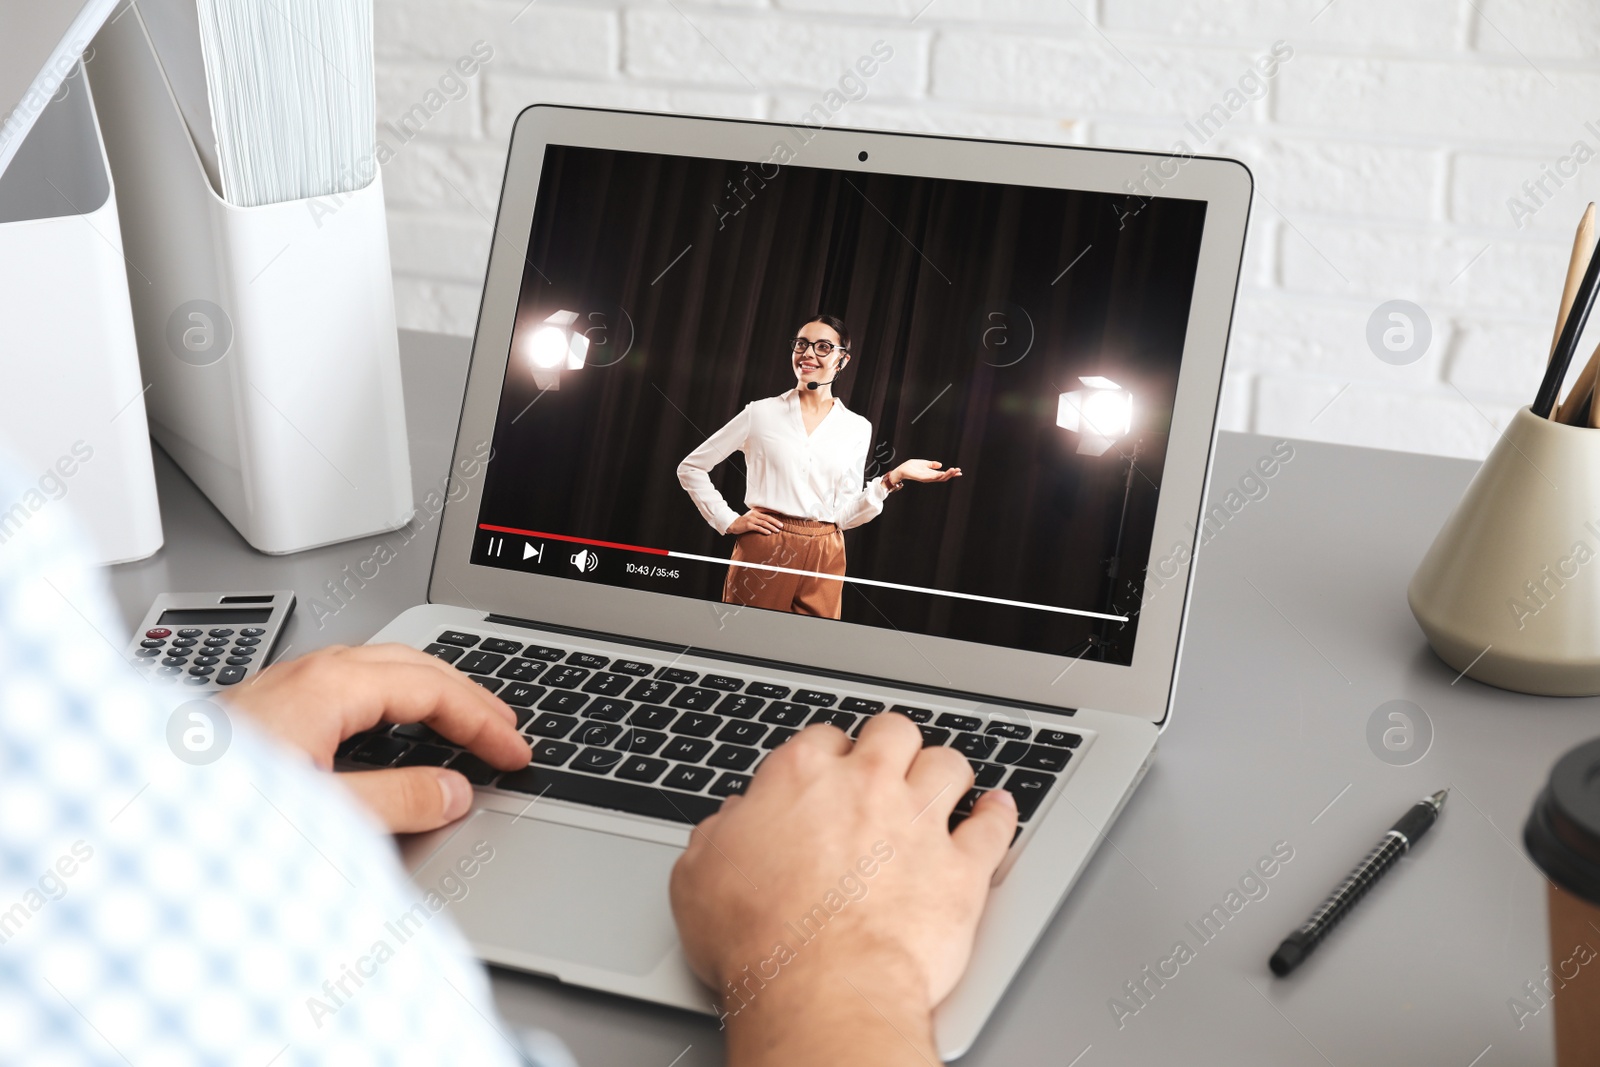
(755,521)
(921,470)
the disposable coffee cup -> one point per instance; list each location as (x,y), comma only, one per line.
(1563,837)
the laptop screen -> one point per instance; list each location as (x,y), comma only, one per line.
(927,405)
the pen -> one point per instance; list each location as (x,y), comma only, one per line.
(1401,836)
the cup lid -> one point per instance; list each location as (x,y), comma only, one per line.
(1563,830)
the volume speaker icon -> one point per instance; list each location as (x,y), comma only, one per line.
(585,560)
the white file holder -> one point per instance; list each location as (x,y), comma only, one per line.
(267,333)
(71,412)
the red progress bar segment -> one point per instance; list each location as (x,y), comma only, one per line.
(574,540)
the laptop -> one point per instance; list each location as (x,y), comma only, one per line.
(1050,320)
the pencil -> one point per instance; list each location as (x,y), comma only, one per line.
(1571,407)
(1582,251)
(1577,318)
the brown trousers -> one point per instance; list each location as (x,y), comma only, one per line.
(803,545)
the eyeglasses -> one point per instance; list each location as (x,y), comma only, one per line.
(824,349)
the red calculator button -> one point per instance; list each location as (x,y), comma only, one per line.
(159,631)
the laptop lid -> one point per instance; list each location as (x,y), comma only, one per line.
(1050,320)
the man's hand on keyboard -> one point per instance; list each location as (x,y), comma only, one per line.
(829,907)
(320,699)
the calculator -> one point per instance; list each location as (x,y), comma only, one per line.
(209,641)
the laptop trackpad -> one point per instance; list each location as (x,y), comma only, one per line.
(583,896)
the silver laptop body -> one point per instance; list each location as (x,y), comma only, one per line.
(1103,264)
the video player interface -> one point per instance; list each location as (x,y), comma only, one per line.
(929,405)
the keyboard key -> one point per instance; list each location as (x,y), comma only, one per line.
(1059,738)
(216,642)
(1013,730)
(1029,787)
(968,801)
(491,684)
(647,800)
(987,775)
(552,753)
(549,655)
(598,734)
(183,642)
(230,675)
(587,659)
(786,714)
(958,722)
(221,631)
(233,661)
(866,707)
(417,731)
(933,735)
(974,746)
(811,696)
(778,736)
(677,675)
(426,756)
(550,724)
(378,751)
(695,699)
(174,661)
(723,682)
(200,671)
(696,724)
(153,643)
(914,714)
(729,784)
(767,690)
(842,719)
(1044,758)
(686,749)
(611,685)
(476,771)
(739,706)
(354,741)
(607,710)
(565,677)
(245,642)
(456,637)
(596,760)
(739,732)
(252,631)
(651,692)
(642,742)
(641,769)
(524,714)
(652,718)
(1012,752)
(565,701)
(631,666)
(733,757)
(521,694)
(190,631)
(480,662)
(693,779)
(212,661)
(501,645)
(521,670)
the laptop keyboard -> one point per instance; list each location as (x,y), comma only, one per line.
(671,743)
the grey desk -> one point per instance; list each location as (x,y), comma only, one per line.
(1299,631)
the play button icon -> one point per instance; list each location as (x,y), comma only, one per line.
(530,552)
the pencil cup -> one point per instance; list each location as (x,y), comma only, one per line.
(1509,593)
(1563,838)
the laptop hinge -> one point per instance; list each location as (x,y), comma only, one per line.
(775,664)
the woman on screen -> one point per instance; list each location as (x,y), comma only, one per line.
(805,470)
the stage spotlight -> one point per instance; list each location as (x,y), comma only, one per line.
(1100,414)
(555,346)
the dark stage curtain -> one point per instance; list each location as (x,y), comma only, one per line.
(966,325)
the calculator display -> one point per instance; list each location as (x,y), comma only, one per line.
(213,616)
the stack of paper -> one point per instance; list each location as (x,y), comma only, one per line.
(278,94)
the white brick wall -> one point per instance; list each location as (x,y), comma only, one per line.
(1384,152)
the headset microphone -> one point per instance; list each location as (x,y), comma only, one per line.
(830,381)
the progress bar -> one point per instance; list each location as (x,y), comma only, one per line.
(808,574)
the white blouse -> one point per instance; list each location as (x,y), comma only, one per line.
(821,476)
